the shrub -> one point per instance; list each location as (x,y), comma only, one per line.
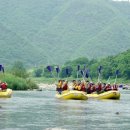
(17,83)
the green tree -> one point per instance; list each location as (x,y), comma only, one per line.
(38,72)
(63,72)
(19,70)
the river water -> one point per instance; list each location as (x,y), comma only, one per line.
(40,110)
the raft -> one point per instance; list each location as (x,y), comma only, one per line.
(72,94)
(6,93)
(105,95)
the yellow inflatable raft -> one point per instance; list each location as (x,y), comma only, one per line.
(73,94)
(106,95)
(5,93)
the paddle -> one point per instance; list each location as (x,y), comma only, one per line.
(57,71)
(49,68)
(108,81)
(78,68)
(83,74)
(87,73)
(67,72)
(99,73)
(117,73)
(2,68)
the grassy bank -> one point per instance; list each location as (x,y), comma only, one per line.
(54,80)
(17,83)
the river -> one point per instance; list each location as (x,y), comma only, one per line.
(40,110)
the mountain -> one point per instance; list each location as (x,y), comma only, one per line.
(45,31)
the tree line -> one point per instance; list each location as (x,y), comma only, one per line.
(109,65)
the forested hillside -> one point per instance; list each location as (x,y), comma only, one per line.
(109,65)
(54,31)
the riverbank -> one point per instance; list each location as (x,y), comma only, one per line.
(45,86)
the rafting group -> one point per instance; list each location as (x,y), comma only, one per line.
(82,90)
(85,86)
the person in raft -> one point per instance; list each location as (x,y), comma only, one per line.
(74,84)
(78,85)
(83,86)
(99,87)
(65,86)
(59,86)
(3,86)
(89,87)
(108,87)
(115,87)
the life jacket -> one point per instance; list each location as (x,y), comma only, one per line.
(65,86)
(59,87)
(99,87)
(3,86)
(94,88)
(79,88)
(115,87)
(74,86)
(108,87)
(83,88)
(89,89)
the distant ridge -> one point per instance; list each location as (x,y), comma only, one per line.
(46,31)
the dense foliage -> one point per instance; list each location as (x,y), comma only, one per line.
(54,31)
(17,77)
(17,83)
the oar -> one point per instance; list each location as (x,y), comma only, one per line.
(83,74)
(57,71)
(87,73)
(108,81)
(117,73)
(49,68)
(99,73)
(67,72)
(78,68)
(90,78)
(2,68)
